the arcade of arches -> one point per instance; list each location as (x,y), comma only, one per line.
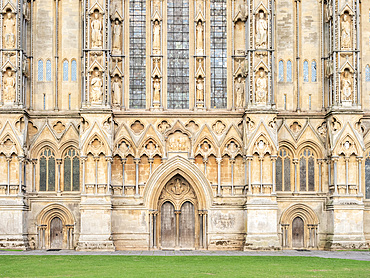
(184,124)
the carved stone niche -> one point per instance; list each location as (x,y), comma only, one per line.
(9,86)
(177,190)
(346,86)
(9,27)
(178,143)
(96,26)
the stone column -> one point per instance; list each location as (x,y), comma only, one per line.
(273,158)
(218,176)
(335,159)
(59,162)
(109,160)
(319,161)
(359,161)
(21,161)
(295,163)
(123,161)
(347,185)
(232,161)
(96,159)
(83,161)
(34,162)
(249,159)
(177,214)
(137,161)
(8,160)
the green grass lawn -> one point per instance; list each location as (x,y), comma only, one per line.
(192,266)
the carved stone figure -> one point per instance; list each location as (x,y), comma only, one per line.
(9,87)
(9,30)
(96,31)
(116,44)
(199,37)
(26,10)
(116,90)
(156,37)
(96,88)
(261,31)
(261,87)
(156,90)
(346,87)
(200,89)
(345,32)
(239,92)
(329,10)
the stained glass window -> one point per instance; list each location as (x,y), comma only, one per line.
(178,54)
(218,54)
(305,71)
(65,70)
(283,164)
(307,170)
(367,73)
(289,71)
(48,70)
(40,70)
(313,72)
(71,170)
(47,170)
(367,178)
(73,70)
(137,11)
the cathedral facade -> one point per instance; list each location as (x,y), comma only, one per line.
(184,124)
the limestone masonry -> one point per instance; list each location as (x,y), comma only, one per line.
(181,125)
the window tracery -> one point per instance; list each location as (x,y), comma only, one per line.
(47,170)
(71,170)
(178,54)
(283,165)
(137,11)
(307,170)
(218,54)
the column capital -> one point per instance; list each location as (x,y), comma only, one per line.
(123,160)
(59,161)
(137,160)
(219,159)
(109,158)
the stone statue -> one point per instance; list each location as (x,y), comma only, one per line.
(116,37)
(345,32)
(156,90)
(9,30)
(96,88)
(346,87)
(26,11)
(96,33)
(239,92)
(329,10)
(156,37)
(116,90)
(9,87)
(261,87)
(199,38)
(261,31)
(200,89)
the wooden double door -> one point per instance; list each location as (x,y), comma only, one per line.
(56,233)
(177,227)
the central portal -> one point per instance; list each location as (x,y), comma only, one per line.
(179,221)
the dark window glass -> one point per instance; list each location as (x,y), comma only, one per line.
(311,174)
(137,11)
(287,174)
(302,170)
(67,174)
(218,54)
(76,174)
(279,174)
(47,170)
(178,54)
(367,178)
(42,174)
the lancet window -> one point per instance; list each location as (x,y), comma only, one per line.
(283,166)
(367,73)
(218,54)
(73,70)
(137,10)
(71,163)
(313,72)
(367,177)
(289,77)
(65,70)
(307,170)
(305,71)
(178,54)
(48,70)
(281,71)
(40,70)
(47,170)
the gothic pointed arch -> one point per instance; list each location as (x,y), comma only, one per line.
(190,172)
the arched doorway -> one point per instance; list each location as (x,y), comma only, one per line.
(56,233)
(179,222)
(297,233)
